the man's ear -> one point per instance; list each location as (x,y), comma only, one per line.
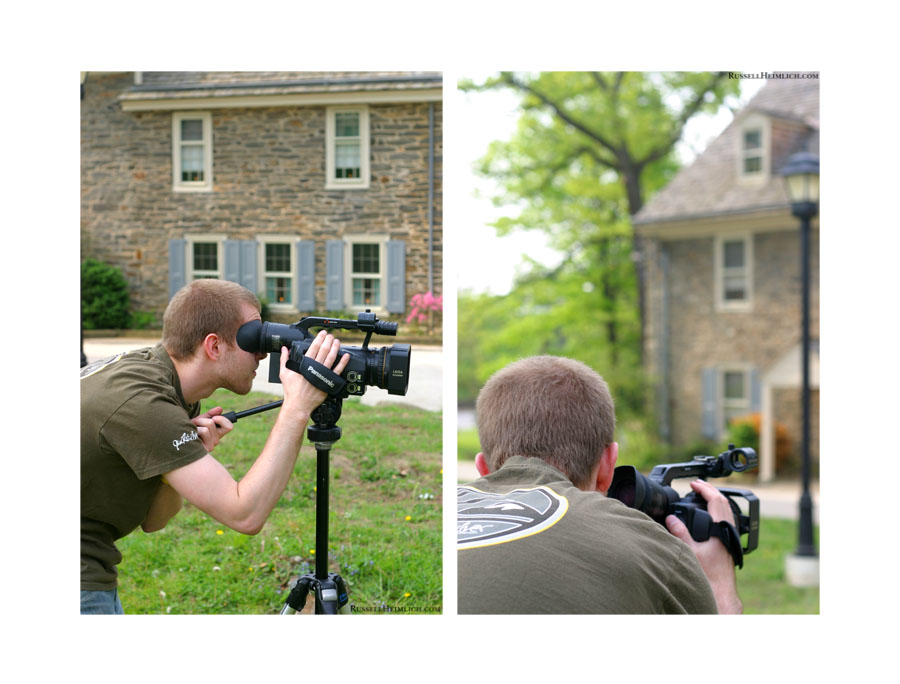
(481,465)
(606,467)
(211,347)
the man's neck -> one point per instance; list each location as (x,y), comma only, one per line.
(195,384)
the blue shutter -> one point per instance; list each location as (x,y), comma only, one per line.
(306,276)
(248,265)
(755,391)
(396,276)
(334,275)
(240,263)
(709,408)
(177,266)
(232,260)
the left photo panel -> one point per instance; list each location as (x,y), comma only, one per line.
(261,342)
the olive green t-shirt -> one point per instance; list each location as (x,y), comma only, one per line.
(529,541)
(135,426)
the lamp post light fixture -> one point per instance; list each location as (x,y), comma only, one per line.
(801,174)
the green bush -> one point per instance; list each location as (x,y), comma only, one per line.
(104,296)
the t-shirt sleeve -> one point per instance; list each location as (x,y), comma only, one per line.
(153,434)
(689,590)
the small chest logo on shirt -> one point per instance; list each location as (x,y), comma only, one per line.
(484,519)
(185,437)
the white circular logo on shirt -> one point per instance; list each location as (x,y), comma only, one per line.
(484,519)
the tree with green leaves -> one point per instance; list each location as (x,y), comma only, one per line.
(588,150)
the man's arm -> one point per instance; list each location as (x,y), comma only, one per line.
(715,560)
(163,508)
(244,506)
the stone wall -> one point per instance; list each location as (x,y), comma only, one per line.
(697,335)
(269,177)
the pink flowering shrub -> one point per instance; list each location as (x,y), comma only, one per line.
(423,307)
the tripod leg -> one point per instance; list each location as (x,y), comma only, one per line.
(296,600)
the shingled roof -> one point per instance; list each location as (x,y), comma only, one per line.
(172,86)
(709,187)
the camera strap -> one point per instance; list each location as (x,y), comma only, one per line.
(319,376)
(729,536)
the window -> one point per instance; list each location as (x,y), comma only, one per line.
(733,272)
(192,152)
(278,271)
(735,393)
(753,151)
(204,256)
(347,147)
(366,274)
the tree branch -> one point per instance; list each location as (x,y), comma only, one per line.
(561,113)
(686,114)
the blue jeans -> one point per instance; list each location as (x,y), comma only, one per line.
(101,603)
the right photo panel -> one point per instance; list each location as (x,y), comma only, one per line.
(638,343)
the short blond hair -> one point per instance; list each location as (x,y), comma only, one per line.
(549,407)
(200,308)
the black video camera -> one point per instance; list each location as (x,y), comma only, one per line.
(652,495)
(387,367)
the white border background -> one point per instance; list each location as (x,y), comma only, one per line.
(850,46)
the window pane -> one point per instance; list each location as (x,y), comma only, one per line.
(752,139)
(346,124)
(366,292)
(278,290)
(192,129)
(191,163)
(734,385)
(278,257)
(752,164)
(734,254)
(346,160)
(365,259)
(206,256)
(735,289)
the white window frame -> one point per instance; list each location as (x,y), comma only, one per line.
(721,272)
(736,407)
(381,241)
(290,241)
(190,241)
(332,183)
(755,122)
(206,185)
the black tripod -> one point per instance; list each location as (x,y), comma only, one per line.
(328,587)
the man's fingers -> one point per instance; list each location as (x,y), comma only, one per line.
(342,364)
(678,529)
(316,345)
(716,503)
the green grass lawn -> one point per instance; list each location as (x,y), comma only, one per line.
(384,525)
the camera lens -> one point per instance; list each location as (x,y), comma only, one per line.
(390,369)
(640,492)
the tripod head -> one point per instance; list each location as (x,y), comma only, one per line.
(323,432)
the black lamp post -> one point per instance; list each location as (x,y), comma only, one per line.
(802,178)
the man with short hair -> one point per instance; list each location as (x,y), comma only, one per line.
(145,447)
(536,533)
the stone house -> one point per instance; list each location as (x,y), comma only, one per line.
(722,265)
(320,191)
